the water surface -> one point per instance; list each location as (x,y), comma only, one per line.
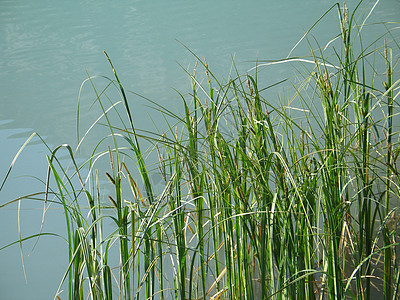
(48,48)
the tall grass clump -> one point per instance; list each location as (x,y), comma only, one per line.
(259,198)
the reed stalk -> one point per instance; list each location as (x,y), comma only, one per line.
(260,198)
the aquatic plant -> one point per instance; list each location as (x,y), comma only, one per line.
(258,199)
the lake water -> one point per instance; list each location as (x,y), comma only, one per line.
(46,48)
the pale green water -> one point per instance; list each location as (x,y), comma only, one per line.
(46,46)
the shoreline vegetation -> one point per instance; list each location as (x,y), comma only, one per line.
(296,200)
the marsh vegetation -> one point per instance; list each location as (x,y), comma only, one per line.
(256,200)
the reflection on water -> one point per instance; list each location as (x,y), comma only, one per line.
(46,49)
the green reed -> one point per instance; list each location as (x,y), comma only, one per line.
(260,199)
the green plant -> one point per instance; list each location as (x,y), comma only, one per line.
(260,199)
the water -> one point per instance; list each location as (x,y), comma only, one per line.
(48,48)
